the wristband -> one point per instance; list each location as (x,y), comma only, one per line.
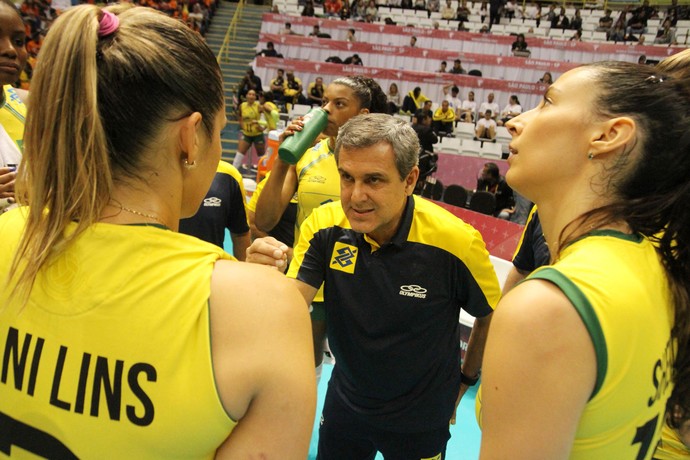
(469,381)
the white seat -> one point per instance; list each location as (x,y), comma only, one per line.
(471,147)
(599,36)
(299,110)
(451,145)
(465,131)
(491,150)
(503,135)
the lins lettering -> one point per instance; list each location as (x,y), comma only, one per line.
(78,382)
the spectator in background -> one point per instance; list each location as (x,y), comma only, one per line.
(315,92)
(468,109)
(270,51)
(249,82)
(444,119)
(605,22)
(486,127)
(509,9)
(308,9)
(419,4)
(353,60)
(666,35)
(447,11)
(345,12)
(490,180)
(457,68)
(394,98)
(332,8)
(489,105)
(513,109)
(426,135)
(546,79)
(292,89)
(269,109)
(371,11)
(561,21)
(450,94)
(413,41)
(414,100)
(278,87)
(495,10)
(551,15)
(351,36)
(462,13)
(577,36)
(315,31)
(443,68)
(433,6)
(576,21)
(519,44)
(287,30)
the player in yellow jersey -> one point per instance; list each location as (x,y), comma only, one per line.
(124,338)
(315,178)
(582,356)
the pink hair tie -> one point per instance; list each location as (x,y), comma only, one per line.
(108,24)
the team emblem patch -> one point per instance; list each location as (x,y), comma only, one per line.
(344,258)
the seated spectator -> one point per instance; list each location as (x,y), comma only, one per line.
(287,30)
(308,9)
(433,6)
(390,22)
(486,127)
(270,51)
(292,90)
(468,109)
(394,99)
(331,8)
(530,11)
(413,41)
(447,11)
(576,21)
(519,44)
(635,25)
(351,36)
(547,79)
(249,82)
(371,11)
(457,68)
(450,94)
(462,13)
(560,21)
(490,180)
(666,35)
(419,4)
(315,92)
(414,100)
(345,12)
(462,27)
(617,34)
(509,9)
(605,22)
(489,105)
(315,31)
(443,68)
(444,119)
(551,15)
(485,29)
(278,87)
(513,109)
(353,60)
(426,135)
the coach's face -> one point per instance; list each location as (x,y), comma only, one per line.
(372,193)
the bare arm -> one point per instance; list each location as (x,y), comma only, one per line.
(280,186)
(513,278)
(240,243)
(263,361)
(539,371)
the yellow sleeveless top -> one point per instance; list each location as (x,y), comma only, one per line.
(111,356)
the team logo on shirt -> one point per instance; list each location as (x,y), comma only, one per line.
(344,258)
(413,290)
(212,201)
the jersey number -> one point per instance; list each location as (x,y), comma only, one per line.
(644,436)
(15,433)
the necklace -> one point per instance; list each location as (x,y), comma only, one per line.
(143,214)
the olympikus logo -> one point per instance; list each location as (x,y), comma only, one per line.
(212,201)
(413,290)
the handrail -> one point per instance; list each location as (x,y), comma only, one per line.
(230,34)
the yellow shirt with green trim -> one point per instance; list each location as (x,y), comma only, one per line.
(393,311)
(671,447)
(250,118)
(111,356)
(12,119)
(618,286)
(318,183)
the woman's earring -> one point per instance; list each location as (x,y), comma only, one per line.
(590,156)
(189,165)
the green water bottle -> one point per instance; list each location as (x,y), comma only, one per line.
(292,148)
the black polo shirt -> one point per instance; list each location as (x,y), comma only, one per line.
(392,311)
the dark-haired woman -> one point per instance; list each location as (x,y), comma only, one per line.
(584,353)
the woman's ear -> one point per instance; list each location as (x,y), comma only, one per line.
(363,111)
(613,135)
(189,137)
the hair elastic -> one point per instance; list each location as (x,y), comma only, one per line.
(107,24)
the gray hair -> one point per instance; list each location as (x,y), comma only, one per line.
(370,129)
